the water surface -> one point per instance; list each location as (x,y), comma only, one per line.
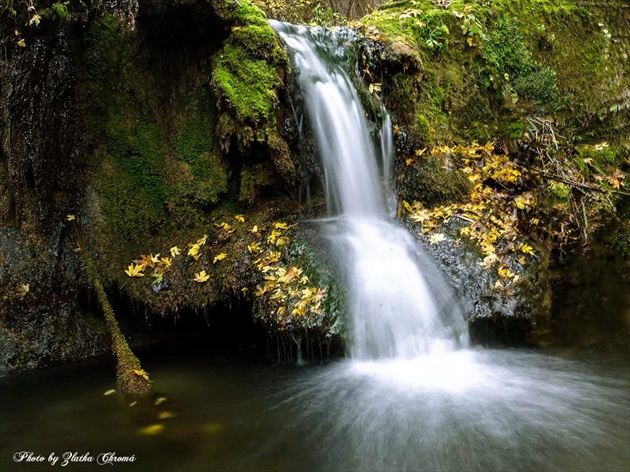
(466,410)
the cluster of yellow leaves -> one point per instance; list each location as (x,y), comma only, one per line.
(285,288)
(160,266)
(193,248)
(490,219)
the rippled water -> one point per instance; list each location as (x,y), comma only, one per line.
(467,410)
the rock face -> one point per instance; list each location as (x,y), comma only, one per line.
(461,74)
(137,128)
(132,128)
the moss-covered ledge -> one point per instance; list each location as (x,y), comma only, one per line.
(249,79)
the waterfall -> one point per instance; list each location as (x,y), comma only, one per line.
(399,305)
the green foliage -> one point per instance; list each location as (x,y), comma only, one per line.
(508,65)
(313,12)
(59,11)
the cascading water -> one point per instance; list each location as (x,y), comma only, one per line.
(408,400)
(395,312)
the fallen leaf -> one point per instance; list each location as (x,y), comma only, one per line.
(70,217)
(152,430)
(175,251)
(159,400)
(420,152)
(437,238)
(135,270)
(239,218)
(253,247)
(111,391)
(219,257)
(527,249)
(201,277)
(34,21)
(141,373)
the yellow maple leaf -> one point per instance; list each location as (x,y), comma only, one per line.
(505,272)
(194,251)
(201,277)
(175,251)
(135,270)
(239,218)
(281,241)
(155,259)
(487,248)
(202,241)
(219,257)
(255,231)
(253,247)
(260,290)
(271,239)
(522,202)
(159,401)
(489,260)
(35,19)
(70,217)
(437,238)
(408,162)
(111,391)
(167,261)
(165,415)
(527,249)
(420,152)
(141,373)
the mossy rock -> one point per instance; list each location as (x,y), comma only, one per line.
(488,66)
(433,182)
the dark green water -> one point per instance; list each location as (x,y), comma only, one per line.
(471,410)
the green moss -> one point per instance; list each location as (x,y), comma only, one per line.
(202,175)
(258,40)
(434,183)
(254,180)
(248,85)
(60,12)
(528,57)
(248,14)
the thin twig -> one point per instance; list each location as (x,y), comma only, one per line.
(580,185)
